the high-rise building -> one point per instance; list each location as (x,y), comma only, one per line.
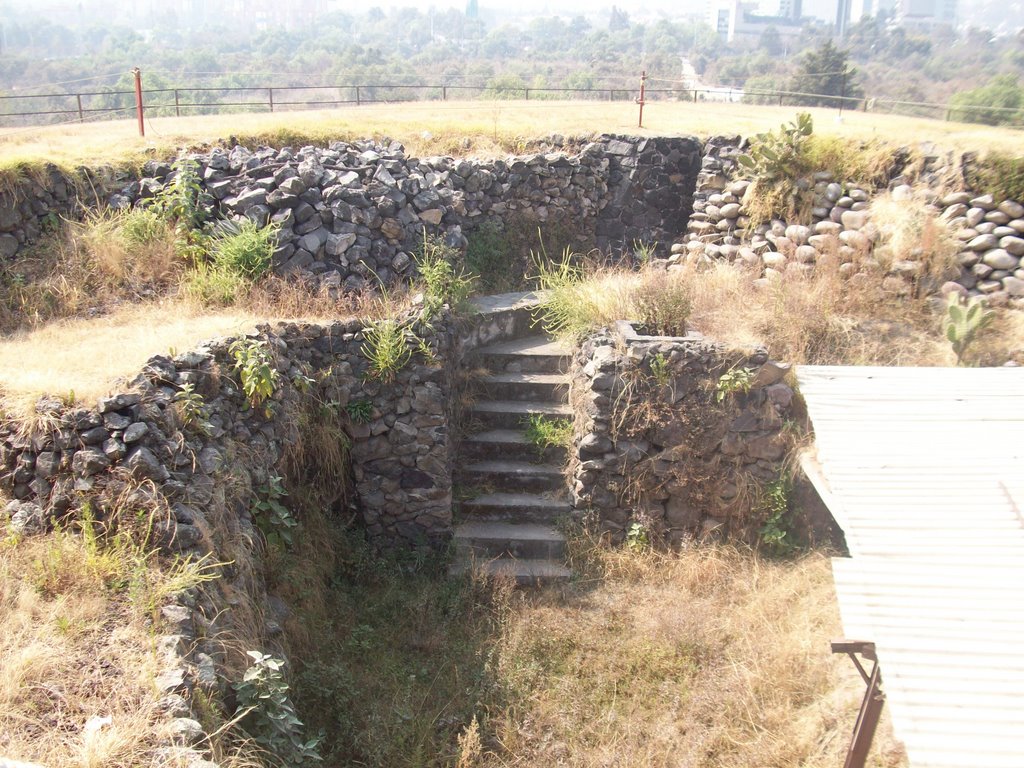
(790,9)
(924,14)
(843,8)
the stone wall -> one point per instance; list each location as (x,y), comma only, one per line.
(355,213)
(32,205)
(198,478)
(658,447)
(990,232)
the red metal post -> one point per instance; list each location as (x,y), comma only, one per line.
(138,100)
(640,101)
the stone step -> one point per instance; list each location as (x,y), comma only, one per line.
(530,354)
(486,540)
(516,507)
(527,573)
(542,387)
(512,476)
(511,414)
(509,444)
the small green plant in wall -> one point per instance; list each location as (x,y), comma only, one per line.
(191,409)
(360,411)
(386,348)
(775,535)
(660,370)
(732,381)
(271,515)
(255,367)
(964,323)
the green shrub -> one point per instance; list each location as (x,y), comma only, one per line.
(242,248)
(999,175)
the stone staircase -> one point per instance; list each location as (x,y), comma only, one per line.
(507,525)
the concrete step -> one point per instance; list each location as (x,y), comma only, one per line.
(542,387)
(516,507)
(511,414)
(531,354)
(512,476)
(509,444)
(486,540)
(527,573)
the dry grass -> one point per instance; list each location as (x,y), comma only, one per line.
(72,649)
(821,319)
(87,357)
(910,229)
(712,658)
(108,259)
(478,127)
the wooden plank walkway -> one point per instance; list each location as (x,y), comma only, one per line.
(923,468)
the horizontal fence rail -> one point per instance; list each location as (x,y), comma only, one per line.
(19,110)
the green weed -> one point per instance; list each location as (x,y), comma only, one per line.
(255,366)
(267,713)
(775,534)
(443,282)
(546,433)
(732,381)
(386,348)
(272,517)
(360,411)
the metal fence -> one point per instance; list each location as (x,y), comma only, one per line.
(17,110)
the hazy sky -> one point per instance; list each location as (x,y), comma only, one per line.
(823,8)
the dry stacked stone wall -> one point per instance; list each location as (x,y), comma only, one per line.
(351,214)
(198,479)
(990,232)
(657,445)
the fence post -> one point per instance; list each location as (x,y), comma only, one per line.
(444,93)
(358,98)
(177,104)
(138,101)
(270,93)
(640,101)
(81,115)
(527,94)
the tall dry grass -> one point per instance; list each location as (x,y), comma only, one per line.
(712,657)
(72,650)
(822,318)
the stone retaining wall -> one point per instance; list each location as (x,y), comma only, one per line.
(355,213)
(198,480)
(658,447)
(991,232)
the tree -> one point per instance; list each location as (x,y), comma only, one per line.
(825,78)
(999,102)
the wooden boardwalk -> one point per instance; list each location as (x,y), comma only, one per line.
(923,468)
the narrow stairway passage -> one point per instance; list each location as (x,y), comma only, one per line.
(513,493)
